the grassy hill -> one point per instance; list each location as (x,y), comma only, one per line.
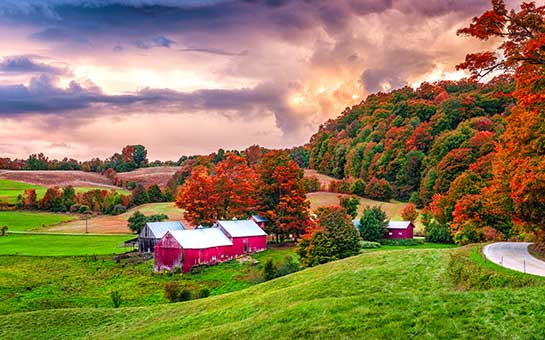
(28,220)
(385,294)
(10,189)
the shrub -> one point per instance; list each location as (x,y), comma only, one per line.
(4,231)
(370,245)
(311,184)
(172,291)
(269,270)
(289,265)
(255,276)
(118,209)
(116,298)
(437,233)
(185,295)
(203,292)
(402,242)
(83,209)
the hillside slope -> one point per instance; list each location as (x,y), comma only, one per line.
(396,294)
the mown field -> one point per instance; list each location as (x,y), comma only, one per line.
(9,190)
(36,244)
(29,220)
(384,294)
(34,283)
(106,224)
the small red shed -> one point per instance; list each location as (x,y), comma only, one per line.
(399,230)
(189,248)
(246,235)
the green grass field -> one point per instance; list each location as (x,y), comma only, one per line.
(35,283)
(26,220)
(9,190)
(385,294)
(61,245)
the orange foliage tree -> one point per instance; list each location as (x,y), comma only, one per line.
(281,195)
(195,196)
(520,160)
(409,213)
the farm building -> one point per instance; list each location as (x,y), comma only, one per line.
(205,246)
(153,232)
(260,220)
(396,229)
(399,229)
(246,235)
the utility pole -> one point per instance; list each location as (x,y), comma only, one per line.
(86,223)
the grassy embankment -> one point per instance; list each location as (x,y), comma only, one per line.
(382,294)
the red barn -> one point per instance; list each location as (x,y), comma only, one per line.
(261,221)
(399,230)
(189,248)
(246,235)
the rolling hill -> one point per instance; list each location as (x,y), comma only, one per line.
(395,294)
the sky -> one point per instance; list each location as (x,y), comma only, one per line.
(83,78)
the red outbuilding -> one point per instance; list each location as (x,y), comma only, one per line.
(260,220)
(246,235)
(399,230)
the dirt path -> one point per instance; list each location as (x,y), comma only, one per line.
(514,255)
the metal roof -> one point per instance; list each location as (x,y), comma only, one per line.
(357,223)
(201,238)
(159,229)
(242,228)
(399,224)
(258,218)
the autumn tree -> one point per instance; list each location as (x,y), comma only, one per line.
(234,188)
(139,195)
(281,196)
(196,196)
(521,151)
(409,213)
(350,204)
(29,199)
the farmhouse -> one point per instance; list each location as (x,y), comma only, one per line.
(399,230)
(205,246)
(153,232)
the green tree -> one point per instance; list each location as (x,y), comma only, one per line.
(137,222)
(140,195)
(269,270)
(351,205)
(68,197)
(373,224)
(155,194)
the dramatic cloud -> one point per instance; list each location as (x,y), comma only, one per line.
(29,64)
(278,68)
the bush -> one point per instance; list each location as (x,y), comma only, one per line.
(269,270)
(118,209)
(289,265)
(437,233)
(203,292)
(185,295)
(116,298)
(402,242)
(370,245)
(358,187)
(83,209)
(311,184)
(172,291)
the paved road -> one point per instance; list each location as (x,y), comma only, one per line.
(514,255)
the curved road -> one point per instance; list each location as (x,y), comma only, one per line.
(514,255)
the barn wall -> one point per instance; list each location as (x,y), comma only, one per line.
(399,233)
(168,254)
(254,244)
(195,257)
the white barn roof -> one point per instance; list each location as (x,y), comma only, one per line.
(201,238)
(399,224)
(159,229)
(242,228)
